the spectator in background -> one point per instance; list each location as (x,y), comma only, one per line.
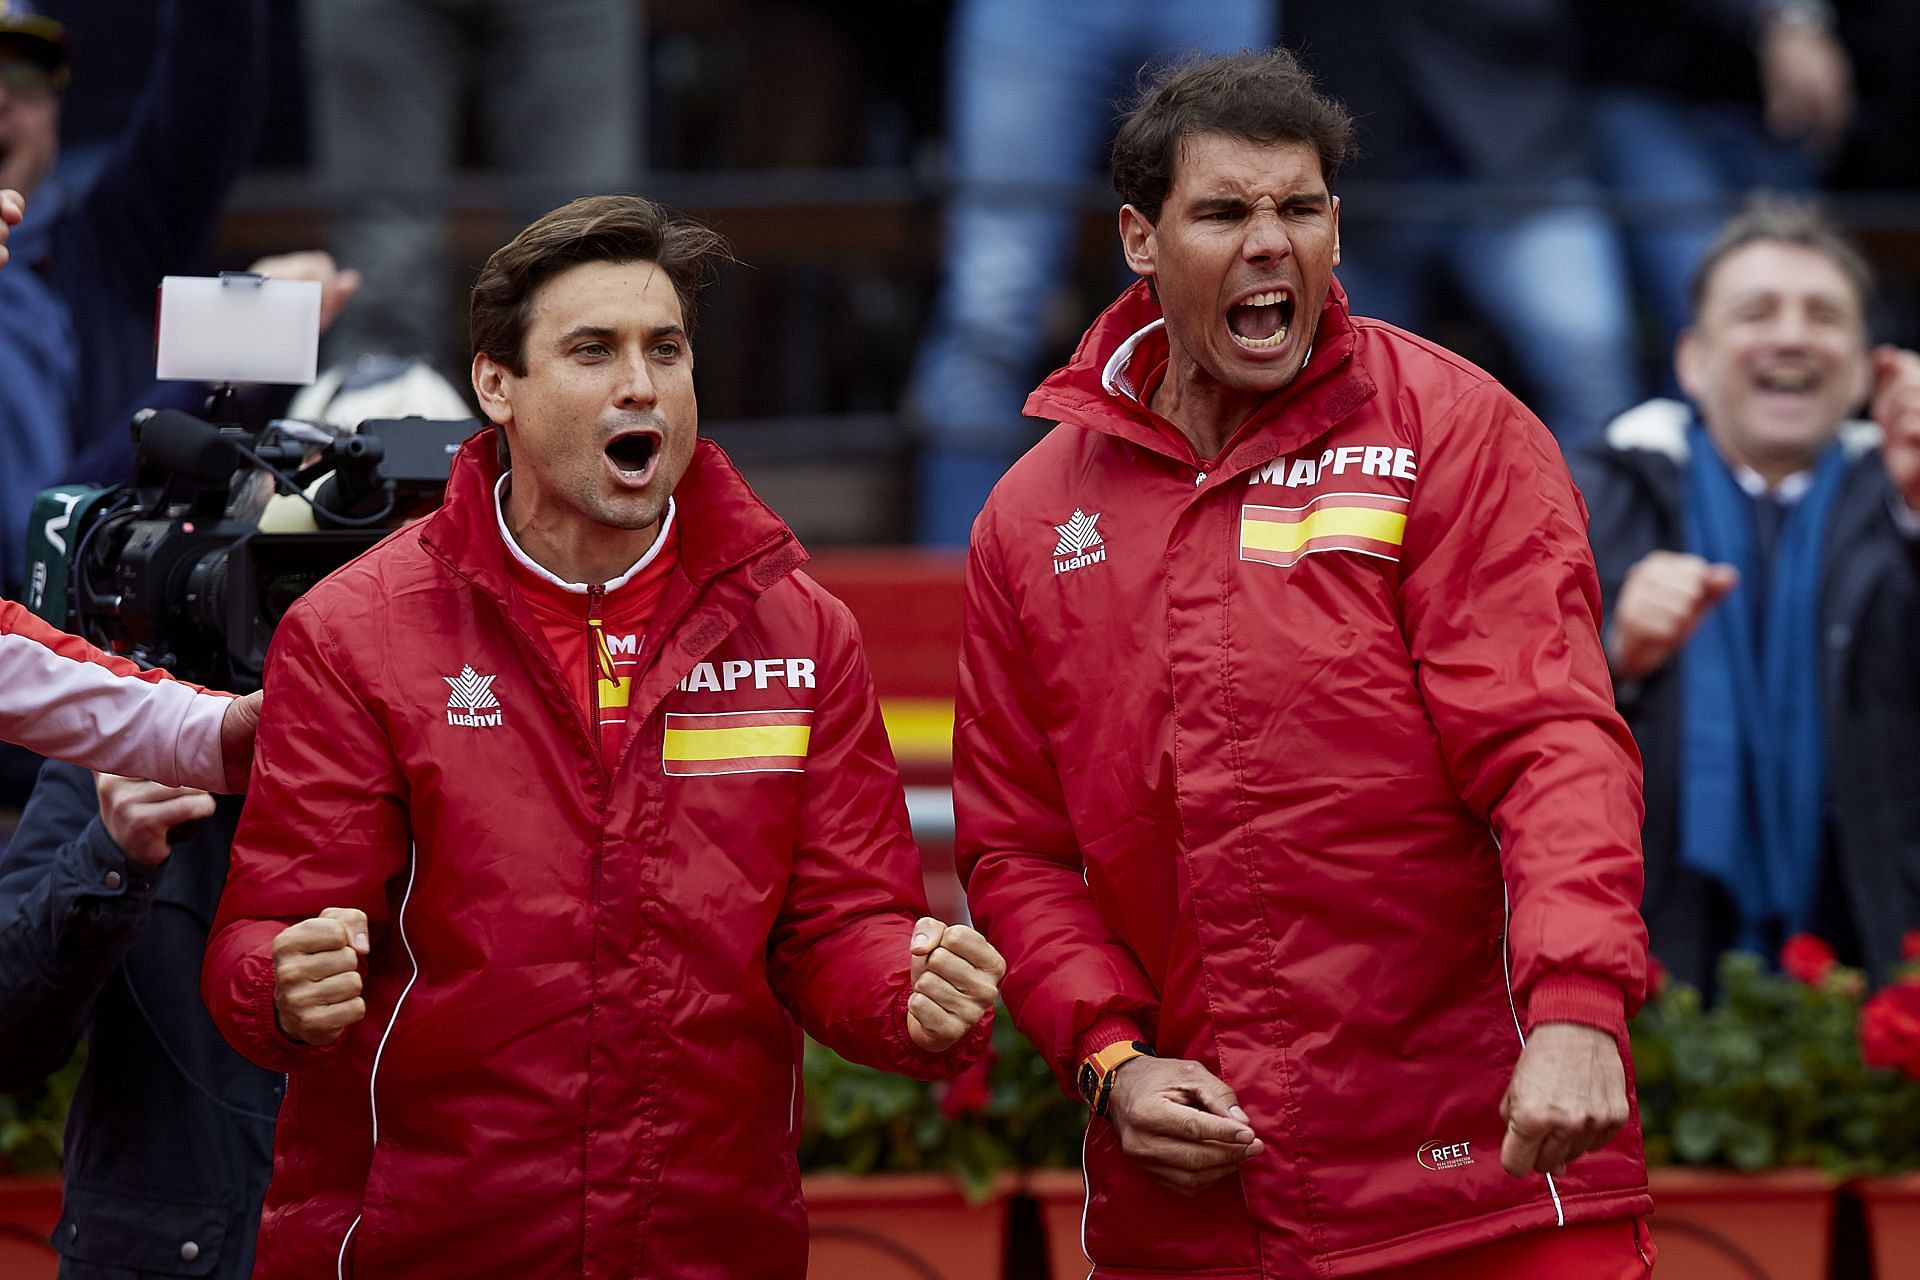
(557,88)
(76,305)
(1030,91)
(1694,103)
(1476,104)
(1760,557)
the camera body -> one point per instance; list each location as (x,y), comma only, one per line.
(175,571)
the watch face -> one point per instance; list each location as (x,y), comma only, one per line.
(1089,1082)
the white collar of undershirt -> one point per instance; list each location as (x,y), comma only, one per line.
(1789,491)
(546,575)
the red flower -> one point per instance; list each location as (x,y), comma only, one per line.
(1890,1029)
(969,1091)
(1807,959)
(1910,946)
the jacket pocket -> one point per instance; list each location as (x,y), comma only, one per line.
(103,1234)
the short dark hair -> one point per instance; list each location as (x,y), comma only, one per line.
(614,228)
(1265,96)
(1775,220)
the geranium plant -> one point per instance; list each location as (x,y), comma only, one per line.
(1007,1112)
(1774,1074)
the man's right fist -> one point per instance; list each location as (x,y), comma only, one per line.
(316,975)
(1662,601)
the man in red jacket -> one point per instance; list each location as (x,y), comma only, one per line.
(1287,770)
(573,807)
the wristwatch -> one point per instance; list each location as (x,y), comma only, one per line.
(1096,1071)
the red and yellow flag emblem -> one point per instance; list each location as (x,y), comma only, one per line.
(1368,523)
(737,742)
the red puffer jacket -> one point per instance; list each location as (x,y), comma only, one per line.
(580,1055)
(1252,756)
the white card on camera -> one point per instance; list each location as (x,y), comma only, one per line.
(238,328)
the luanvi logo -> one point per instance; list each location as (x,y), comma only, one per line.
(1438,1155)
(471,702)
(1080,543)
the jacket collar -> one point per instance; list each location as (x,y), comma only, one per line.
(722,525)
(1099,388)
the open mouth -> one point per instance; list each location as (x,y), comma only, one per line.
(1790,380)
(633,454)
(1263,321)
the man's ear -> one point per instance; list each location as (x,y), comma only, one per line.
(1687,359)
(1336,231)
(490,383)
(1136,241)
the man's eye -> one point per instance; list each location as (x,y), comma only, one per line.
(667,351)
(593,350)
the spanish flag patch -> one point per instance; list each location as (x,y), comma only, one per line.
(1368,523)
(736,742)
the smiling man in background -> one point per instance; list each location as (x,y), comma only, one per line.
(578,808)
(1282,683)
(1760,556)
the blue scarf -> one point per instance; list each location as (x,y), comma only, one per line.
(1753,749)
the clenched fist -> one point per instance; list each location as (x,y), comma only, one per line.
(956,978)
(1664,599)
(316,975)
(1568,1096)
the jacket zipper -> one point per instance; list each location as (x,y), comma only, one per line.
(598,660)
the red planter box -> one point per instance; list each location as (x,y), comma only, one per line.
(1893,1221)
(903,1226)
(1715,1225)
(29,1210)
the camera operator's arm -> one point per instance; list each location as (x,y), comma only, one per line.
(76,889)
(61,697)
(324,833)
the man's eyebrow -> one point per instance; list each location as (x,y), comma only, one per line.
(1224,203)
(606,334)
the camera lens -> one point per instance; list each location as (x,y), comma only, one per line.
(206,594)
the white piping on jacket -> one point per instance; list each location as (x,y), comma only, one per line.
(373,1075)
(1506,966)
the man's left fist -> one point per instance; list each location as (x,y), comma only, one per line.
(956,978)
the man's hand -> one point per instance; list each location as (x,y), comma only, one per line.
(1568,1096)
(1896,407)
(336,285)
(316,975)
(138,814)
(237,725)
(1806,80)
(1180,1122)
(13,207)
(1665,597)
(956,978)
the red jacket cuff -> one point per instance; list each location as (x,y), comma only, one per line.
(1103,1033)
(1567,997)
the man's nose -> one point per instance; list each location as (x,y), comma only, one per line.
(1266,238)
(635,389)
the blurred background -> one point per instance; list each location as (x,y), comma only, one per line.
(1533,180)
